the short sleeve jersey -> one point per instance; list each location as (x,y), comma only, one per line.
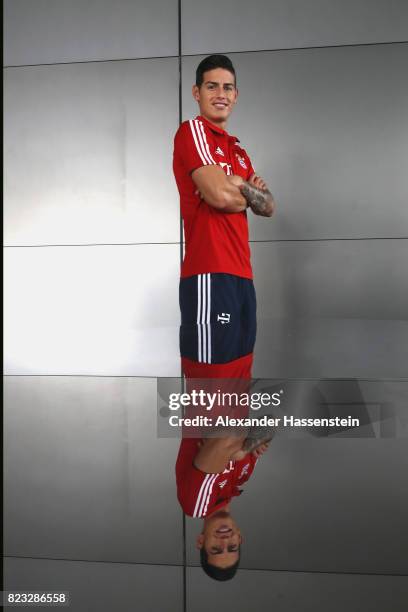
(215,241)
(201,494)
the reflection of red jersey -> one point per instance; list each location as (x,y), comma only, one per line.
(200,494)
(238,368)
(230,379)
(215,241)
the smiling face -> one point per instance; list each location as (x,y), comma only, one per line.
(216,96)
(221,540)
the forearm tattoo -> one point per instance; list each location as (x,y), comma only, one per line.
(260,201)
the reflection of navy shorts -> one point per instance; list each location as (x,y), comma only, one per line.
(218,317)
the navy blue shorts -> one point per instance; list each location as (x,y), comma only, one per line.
(218,317)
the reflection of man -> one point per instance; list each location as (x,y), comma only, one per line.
(209,474)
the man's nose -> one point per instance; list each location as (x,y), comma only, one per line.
(220,91)
(225,536)
(224,544)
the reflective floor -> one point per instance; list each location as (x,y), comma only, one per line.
(91,505)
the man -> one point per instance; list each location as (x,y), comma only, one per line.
(217,184)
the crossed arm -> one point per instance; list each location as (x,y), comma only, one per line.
(232,193)
(215,453)
(258,196)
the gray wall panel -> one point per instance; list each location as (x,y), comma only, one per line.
(328,130)
(362,279)
(85,474)
(219,26)
(88,153)
(50,31)
(331,308)
(92,310)
(99,586)
(331,348)
(296,592)
(320,505)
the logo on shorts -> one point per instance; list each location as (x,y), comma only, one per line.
(224,317)
(219,151)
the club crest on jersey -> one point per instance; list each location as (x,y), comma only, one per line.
(219,151)
(241,161)
(244,470)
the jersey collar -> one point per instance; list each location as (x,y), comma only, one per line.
(215,128)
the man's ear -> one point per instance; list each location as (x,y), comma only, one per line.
(200,541)
(196,93)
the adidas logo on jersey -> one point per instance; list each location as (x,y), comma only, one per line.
(219,151)
(222,484)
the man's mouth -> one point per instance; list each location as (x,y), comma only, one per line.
(220,105)
(223,530)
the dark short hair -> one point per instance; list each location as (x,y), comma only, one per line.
(210,63)
(218,573)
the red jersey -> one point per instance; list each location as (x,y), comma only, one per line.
(215,241)
(201,494)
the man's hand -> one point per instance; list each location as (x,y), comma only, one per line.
(258,182)
(260,450)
